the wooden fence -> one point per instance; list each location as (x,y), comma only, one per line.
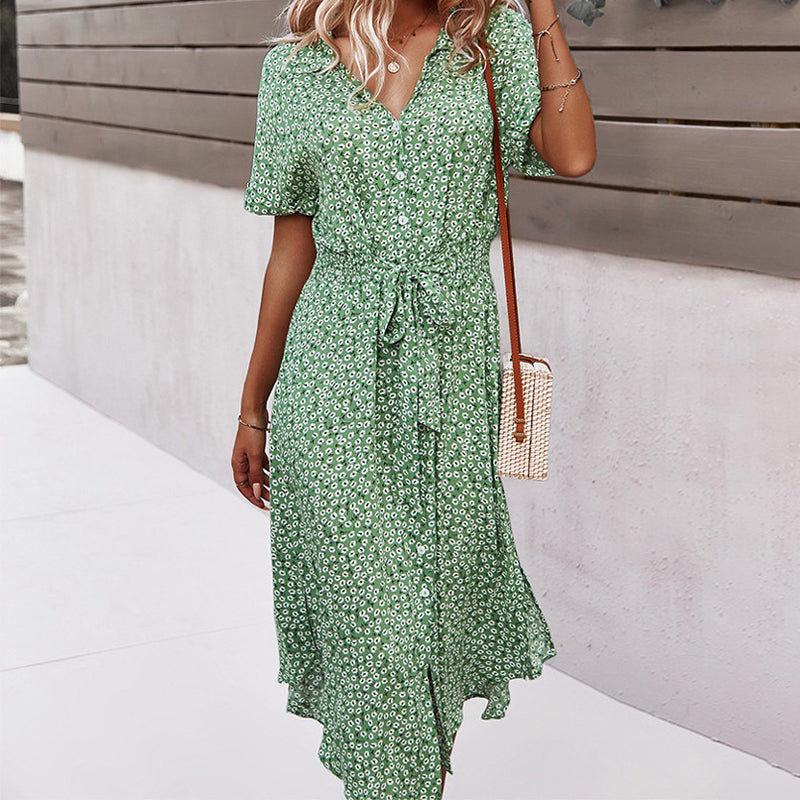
(697,110)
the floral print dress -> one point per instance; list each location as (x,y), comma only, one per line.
(398,589)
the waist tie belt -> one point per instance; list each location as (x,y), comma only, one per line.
(418,295)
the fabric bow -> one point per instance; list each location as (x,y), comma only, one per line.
(416,302)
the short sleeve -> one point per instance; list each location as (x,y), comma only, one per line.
(282,178)
(515,74)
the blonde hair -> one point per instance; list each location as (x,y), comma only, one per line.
(367,23)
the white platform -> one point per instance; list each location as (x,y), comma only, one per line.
(139,655)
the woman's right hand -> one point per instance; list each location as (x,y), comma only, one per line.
(250,462)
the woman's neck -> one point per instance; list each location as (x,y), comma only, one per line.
(407,14)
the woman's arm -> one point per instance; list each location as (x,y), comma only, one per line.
(566,138)
(288,268)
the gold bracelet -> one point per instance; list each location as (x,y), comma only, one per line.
(568,85)
(541,33)
(257,427)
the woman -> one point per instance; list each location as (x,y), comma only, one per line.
(398,590)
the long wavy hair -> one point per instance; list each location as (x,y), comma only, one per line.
(367,24)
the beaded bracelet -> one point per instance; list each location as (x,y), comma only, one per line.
(568,85)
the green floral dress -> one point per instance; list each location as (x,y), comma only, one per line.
(398,589)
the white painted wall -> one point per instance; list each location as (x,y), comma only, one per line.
(12,156)
(666,541)
(663,548)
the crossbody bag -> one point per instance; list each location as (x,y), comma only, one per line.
(526,384)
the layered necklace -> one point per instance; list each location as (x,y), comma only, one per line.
(394,65)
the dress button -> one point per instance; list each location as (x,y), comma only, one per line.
(402,219)
(424,591)
(396,125)
(400,175)
(421,548)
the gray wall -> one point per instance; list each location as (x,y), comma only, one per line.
(663,546)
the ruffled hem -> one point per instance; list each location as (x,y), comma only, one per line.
(301,702)
(497,694)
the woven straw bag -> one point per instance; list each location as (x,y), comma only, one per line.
(527,382)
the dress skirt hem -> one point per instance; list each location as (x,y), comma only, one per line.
(495,691)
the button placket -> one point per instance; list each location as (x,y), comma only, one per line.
(396,194)
(400,175)
(426,550)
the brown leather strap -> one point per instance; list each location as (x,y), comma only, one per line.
(508,263)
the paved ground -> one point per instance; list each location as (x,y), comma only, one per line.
(13,296)
(139,659)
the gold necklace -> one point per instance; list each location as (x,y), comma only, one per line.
(394,64)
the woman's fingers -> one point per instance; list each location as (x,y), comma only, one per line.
(240,465)
(259,476)
(265,489)
(248,476)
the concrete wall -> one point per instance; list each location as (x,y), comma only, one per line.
(663,546)
(667,535)
(12,155)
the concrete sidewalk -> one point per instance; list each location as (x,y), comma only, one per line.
(139,655)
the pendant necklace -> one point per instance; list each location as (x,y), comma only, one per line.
(394,65)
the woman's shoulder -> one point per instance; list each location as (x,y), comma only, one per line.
(281,61)
(506,25)
(284,76)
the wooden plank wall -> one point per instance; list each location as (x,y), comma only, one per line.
(697,110)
